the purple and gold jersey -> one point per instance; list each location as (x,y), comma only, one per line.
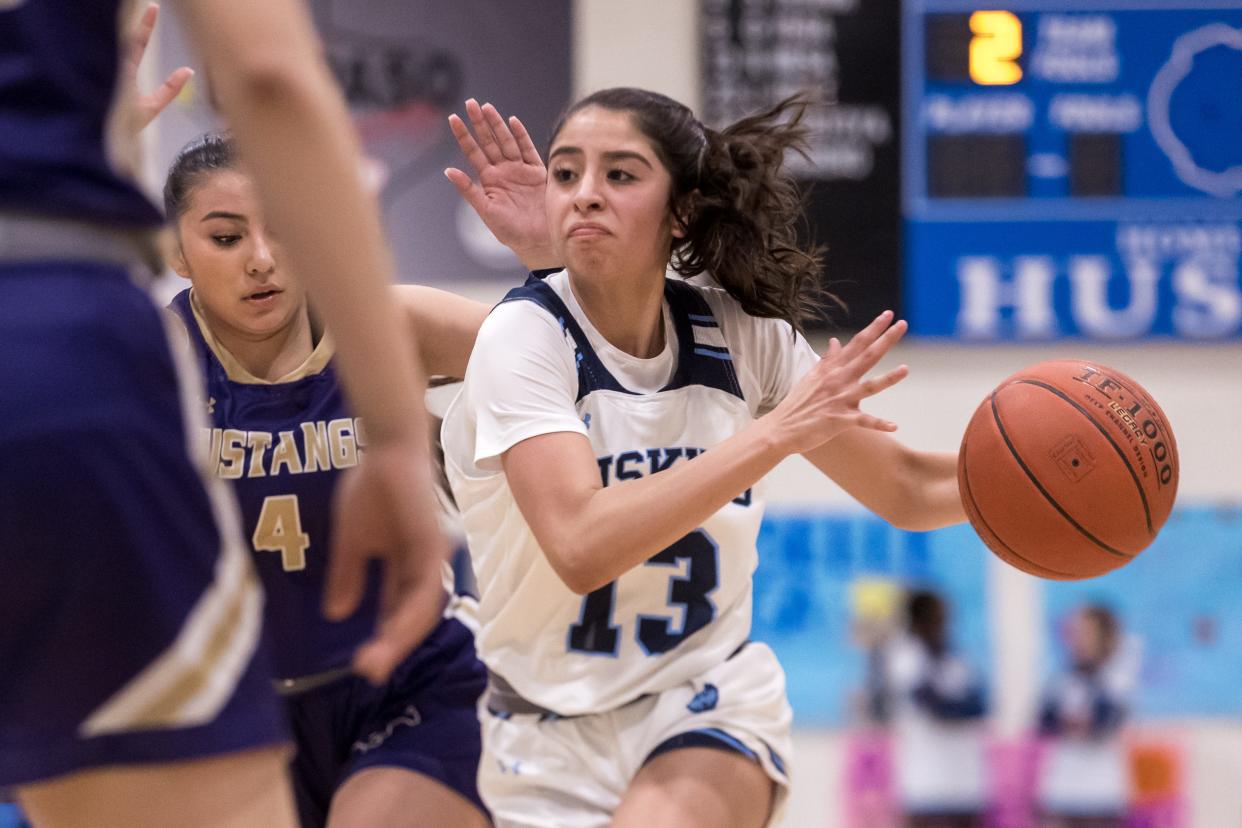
(283,445)
(58,73)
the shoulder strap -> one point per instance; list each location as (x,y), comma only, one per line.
(704,357)
(592,375)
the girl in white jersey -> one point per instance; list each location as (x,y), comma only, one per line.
(607,453)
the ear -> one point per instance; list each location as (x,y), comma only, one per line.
(174,257)
(684,213)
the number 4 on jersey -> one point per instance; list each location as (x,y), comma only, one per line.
(280,530)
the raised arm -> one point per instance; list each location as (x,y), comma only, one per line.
(577,521)
(508,194)
(271,84)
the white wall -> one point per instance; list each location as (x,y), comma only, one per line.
(651,44)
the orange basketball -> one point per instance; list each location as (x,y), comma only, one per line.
(1068,469)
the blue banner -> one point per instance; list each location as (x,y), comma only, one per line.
(1177,601)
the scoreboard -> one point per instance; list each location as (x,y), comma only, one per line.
(1071,169)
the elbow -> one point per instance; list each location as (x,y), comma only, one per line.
(266,80)
(922,504)
(907,513)
(572,564)
(912,521)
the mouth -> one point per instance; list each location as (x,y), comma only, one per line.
(587,230)
(262,295)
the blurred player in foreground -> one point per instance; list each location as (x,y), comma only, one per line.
(136,691)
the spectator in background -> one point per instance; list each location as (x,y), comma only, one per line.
(1084,779)
(935,705)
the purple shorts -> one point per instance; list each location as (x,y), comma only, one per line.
(424,720)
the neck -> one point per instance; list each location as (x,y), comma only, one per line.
(268,357)
(627,310)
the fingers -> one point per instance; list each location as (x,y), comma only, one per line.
(530,154)
(489,140)
(874,385)
(466,188)
(169,89)
(861,340)
(465,141)
(874,423)
(483,130)
(141,35)
(407,623)
(863,362)
(504,139)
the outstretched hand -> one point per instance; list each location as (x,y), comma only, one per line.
(508,194)
(826,401)
(147,107)
(384,508)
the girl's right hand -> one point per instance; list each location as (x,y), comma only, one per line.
(826,401)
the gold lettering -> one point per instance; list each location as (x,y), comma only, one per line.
(258,442)
(315,446)
(213,453)
(232,453)
(344,449)
(286,454)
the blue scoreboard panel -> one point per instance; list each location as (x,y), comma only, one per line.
(1072,169)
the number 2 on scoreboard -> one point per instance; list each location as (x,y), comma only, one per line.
(995,48)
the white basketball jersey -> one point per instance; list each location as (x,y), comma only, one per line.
(685,610)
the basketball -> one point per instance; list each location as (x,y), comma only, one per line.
(1068,469)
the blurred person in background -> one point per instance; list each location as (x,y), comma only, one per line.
(1084,781)
(935,704)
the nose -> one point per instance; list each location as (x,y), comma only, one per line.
(588,195)
(262,261)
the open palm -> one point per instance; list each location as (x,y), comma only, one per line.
(508,192)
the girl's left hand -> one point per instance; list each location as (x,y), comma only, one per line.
(508,195)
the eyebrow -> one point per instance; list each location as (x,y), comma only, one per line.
(614,155)
(221,214)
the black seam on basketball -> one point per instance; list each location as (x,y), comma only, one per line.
(1047,496)
(1138,485)
(995,536)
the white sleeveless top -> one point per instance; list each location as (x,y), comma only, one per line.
(538,367)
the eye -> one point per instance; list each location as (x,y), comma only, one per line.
(620,175)
(562,174)
(225,239)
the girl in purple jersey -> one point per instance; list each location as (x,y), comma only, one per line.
(405,753)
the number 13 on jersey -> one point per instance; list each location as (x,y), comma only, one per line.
(595,633)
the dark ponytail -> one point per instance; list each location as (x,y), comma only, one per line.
(739,210)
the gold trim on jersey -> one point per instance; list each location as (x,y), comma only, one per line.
(191,681)
(315,363)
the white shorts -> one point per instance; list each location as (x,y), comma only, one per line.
(547,772)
